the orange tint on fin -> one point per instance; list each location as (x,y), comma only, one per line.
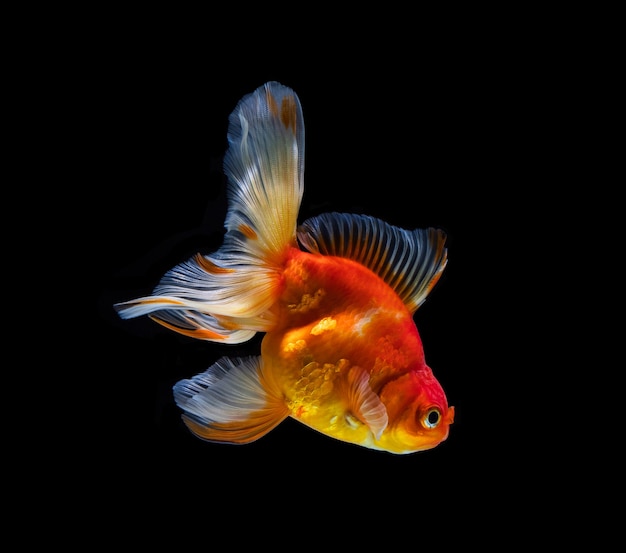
(240,432)
(209,266)
(248,232)
(288,111)
(199,333)
(149,301)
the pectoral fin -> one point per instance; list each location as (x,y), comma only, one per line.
(364,404)
(230,402)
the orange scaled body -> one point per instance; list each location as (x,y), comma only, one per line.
(340,320)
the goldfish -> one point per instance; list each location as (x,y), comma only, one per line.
(334,297)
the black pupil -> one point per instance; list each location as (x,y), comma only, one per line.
(433,417)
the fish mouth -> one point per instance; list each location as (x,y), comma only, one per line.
(450,415)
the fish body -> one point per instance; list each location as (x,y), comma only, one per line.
(335,297)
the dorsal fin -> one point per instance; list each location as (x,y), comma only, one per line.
(411,262)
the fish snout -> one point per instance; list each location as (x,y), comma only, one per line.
(449,419)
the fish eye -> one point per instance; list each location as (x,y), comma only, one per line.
(432,418)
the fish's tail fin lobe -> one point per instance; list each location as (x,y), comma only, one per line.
(231,402)
(227,296)
(265,168)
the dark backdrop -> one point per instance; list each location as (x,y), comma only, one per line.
(420,146)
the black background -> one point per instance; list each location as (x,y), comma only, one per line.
(479,123)
(426,144)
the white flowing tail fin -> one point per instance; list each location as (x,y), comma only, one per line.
(227,296)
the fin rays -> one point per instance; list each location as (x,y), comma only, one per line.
(265,166)
(411,262)
(230,402)
(227,296)
(366,404)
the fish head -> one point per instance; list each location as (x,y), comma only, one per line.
(418,411)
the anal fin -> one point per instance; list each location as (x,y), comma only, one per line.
(230,402)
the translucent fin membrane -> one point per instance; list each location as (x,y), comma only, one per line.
(228,295)
(230,402)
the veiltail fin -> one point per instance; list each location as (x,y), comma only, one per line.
(230,402)
(226,296)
